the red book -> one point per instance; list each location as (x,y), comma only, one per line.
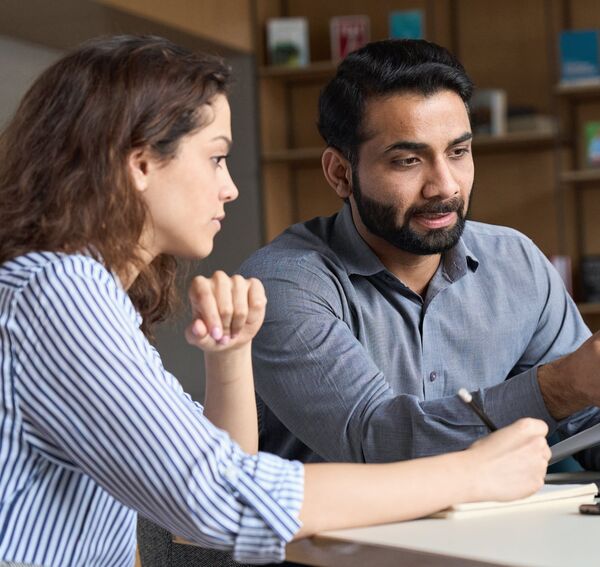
(348,33)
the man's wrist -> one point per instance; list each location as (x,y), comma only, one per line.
(559,395)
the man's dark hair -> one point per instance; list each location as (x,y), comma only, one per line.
(379,69)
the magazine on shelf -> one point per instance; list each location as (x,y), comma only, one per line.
(579,53)
(407,24)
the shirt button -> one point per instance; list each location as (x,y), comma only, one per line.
(433,376)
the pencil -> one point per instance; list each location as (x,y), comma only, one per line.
(466,397)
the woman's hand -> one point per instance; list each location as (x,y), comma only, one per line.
(510,463)
(227,311)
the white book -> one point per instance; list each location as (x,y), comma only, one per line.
(287,41)
(577,493)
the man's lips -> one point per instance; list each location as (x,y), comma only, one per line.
(435,220)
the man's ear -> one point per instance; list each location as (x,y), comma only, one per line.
(338,172)
(138,166)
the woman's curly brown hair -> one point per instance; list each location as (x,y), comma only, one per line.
(64,183)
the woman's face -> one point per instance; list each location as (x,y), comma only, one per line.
(186,196)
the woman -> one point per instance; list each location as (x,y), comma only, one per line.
(114,163)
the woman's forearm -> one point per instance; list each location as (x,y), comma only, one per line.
(345,496)
(505,465)
(229,400)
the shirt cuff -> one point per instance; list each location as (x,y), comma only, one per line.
(272,491)
(517,397)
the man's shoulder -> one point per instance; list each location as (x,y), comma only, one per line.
(303,246)
(482,238)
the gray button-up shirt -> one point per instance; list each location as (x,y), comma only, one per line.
(351,365)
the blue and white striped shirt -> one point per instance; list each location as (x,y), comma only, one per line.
(93,429)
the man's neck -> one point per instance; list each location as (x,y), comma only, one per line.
(413,270)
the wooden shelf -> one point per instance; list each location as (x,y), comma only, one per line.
(515,141)
(581,176)
(582,90)
(314,72)
(589,308)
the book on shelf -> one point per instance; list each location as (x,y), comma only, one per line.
(407,24)
(574,493)
(287,42)
(592,143)
(347,34)
(590,278)
(489,112)
(527,119)
(579,53)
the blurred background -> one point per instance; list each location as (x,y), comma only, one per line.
(536,115)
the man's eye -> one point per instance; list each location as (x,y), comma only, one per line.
(460,152)
(405,162)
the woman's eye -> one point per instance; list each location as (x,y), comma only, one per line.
(219,159)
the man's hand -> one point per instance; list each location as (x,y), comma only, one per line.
(572,382)
(227,311)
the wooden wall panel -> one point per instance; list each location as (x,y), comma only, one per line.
(316,197)
(518,191)
(304,100)
(583,14)
(504,45)
(279,208)
(227,22)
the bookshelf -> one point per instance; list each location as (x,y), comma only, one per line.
(530,180)
(579,102)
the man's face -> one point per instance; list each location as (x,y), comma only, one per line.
(415,172)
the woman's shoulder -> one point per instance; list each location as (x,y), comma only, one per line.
(54,269)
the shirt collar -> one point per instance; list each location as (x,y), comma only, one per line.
(359,259)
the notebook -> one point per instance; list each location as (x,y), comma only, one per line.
(577,493)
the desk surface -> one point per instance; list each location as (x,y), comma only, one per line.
(551,534)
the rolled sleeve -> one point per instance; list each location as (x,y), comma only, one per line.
(272,490)
(520,396)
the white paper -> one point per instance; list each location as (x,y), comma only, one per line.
(577,442)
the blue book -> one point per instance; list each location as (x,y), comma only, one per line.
(579,57)
(406,24)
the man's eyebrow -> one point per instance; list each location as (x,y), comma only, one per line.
(420,146)
(406,145)
(466,136)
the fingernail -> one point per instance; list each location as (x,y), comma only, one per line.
(216,333)
(225,340)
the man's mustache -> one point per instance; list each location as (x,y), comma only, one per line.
(437,208)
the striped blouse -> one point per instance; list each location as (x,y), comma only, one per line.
(93,430)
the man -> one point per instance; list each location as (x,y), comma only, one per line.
(379,314)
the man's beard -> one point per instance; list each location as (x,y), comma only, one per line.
(380,219)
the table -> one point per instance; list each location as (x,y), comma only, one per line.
(551,534)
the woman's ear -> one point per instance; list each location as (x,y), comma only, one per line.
(338,172)
(138,165)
